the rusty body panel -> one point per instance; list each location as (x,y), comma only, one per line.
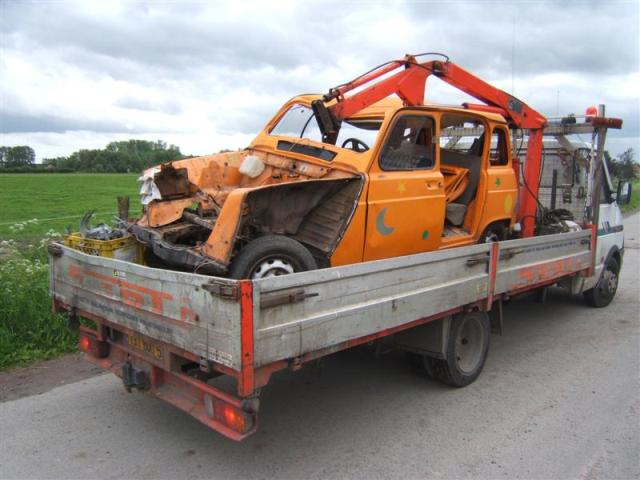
(279,200)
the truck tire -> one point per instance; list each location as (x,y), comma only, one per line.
(269,256)
(602,294)
(467,350)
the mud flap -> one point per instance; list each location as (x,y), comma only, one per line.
(429,339)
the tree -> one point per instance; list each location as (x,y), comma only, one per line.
(626,165)
(20,156)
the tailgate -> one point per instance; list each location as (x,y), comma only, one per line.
(197,313)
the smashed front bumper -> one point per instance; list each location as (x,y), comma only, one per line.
(180,257)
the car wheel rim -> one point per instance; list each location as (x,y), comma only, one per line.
(272,267)
(468,347)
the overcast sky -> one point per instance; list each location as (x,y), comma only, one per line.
(207,76)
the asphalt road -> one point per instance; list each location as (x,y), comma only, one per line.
(559,398)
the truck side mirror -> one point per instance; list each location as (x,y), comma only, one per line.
(623,196)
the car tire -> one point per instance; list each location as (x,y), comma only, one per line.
(467,350)
(602,294)
(496,232)
(271,255)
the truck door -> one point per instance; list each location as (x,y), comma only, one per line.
(406,200)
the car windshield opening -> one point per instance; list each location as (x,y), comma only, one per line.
(299,121)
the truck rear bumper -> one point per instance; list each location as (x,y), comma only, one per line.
(231,416)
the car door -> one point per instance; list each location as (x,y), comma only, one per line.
(406,199)
(502,188)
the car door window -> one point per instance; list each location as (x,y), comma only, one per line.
(410,145)
(498,155)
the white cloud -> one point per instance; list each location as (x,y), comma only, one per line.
(207,76)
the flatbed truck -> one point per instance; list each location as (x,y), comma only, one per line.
(174,334)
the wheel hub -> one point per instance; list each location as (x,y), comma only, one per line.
(468,346)
(610,281)
(272,267)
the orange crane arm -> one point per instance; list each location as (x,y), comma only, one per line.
(410,84)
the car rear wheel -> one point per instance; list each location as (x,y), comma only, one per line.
(270,256)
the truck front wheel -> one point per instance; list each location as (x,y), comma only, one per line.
(270,256)
(467,350)
(602,294)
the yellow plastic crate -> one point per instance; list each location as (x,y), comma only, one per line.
(125,248)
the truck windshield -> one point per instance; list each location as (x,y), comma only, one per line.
(300,122)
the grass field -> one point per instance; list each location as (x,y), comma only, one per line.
(58,200)
(32,207)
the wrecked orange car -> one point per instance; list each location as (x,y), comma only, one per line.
(334,180)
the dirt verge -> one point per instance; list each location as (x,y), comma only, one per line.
(44,376)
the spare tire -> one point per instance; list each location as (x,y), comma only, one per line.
(271,255)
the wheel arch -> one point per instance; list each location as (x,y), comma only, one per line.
(616,253)
(502,222)
(316,213)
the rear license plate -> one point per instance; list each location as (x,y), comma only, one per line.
(143,345)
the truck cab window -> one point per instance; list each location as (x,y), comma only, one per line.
(410,145)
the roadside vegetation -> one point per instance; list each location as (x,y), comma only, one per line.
(28,329)
(624,168)
(35,209)
(634,204)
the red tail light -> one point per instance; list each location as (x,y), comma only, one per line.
(231,416)
(85,344)
(234,418)
(93,346)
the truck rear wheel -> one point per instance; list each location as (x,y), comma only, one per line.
(270,256)
(467,350)
(602,294)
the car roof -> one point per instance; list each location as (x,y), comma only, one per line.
(390,104)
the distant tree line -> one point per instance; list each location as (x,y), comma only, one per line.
(16,157)
(116,157)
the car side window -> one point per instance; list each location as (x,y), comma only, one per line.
(410,145)
(498,155)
